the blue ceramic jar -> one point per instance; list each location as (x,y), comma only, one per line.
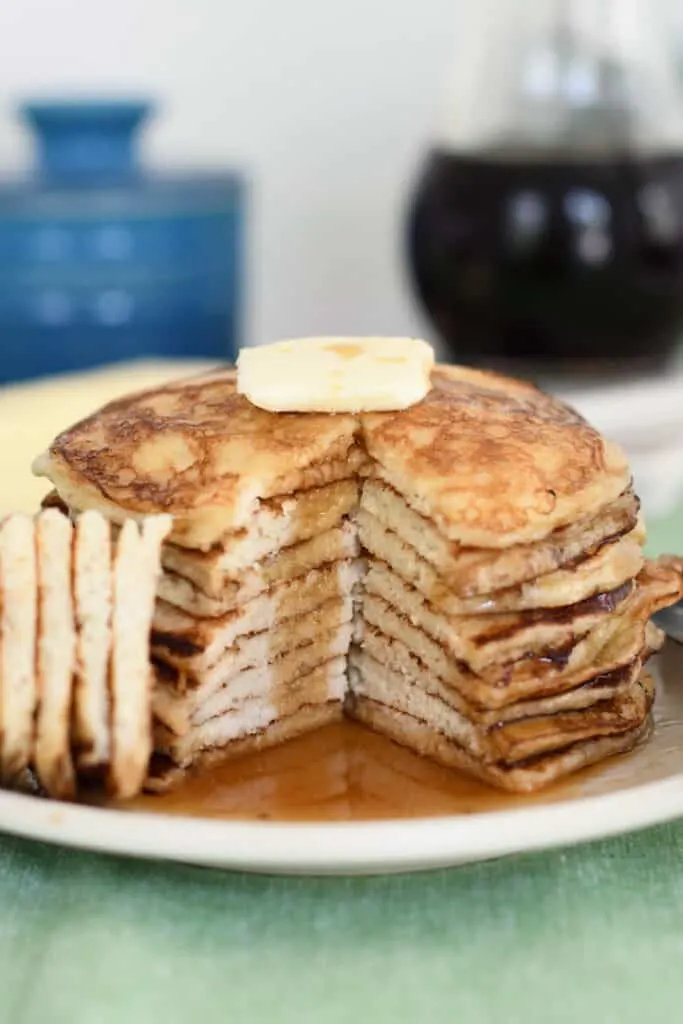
(101,261)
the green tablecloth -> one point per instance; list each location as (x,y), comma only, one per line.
(591,934)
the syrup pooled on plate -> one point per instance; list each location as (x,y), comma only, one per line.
(343,772)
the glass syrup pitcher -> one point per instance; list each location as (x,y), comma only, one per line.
(545,230)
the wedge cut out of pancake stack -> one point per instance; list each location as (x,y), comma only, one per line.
(75,673)
(464,575)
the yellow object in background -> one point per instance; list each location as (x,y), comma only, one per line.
(31,415)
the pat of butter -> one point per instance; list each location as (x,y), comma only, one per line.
(336,374)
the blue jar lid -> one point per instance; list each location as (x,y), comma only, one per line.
(86,140)
(87,166)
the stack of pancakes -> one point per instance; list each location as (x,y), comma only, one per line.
(497,619)
(246,650)
(75,677)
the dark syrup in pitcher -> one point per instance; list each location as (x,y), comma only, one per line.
(545,262)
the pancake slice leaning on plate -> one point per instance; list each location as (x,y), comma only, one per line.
(55,654)
(92,572)
(75,633)
(135,581)
(18,619)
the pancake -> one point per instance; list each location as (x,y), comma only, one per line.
(208,468)
(205,640)
(136,569)
(503,617)
(264,681)
(485,642)
(338,544)
(18,621)
(580,693)
(92,585)
(278,524)
(527,738)
(470,572)
(322,688)
(509,742)
(68,631)
(615,642)
(613,564)
(55,655)
(522,777)
(494,462)
(252,649)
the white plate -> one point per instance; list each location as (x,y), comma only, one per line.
(633,792)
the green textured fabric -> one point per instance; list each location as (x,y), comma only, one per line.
(666,534)
(592,934)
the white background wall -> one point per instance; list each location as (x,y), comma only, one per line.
(326,103)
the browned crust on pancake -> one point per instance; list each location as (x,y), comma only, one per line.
(514,742)
(199,451)
(525,777)
(177,673)
(672,564)
(471,572)
(578,694)
(494,461)
(53,500)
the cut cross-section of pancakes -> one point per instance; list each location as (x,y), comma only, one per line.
(465,575)
(75,669)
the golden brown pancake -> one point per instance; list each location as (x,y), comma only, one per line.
(484,641)
(604,678)
(611,565)
(322,687)
(615,642)
(262,683)
(472,572)
(494,462)
(338,544)
(206,640)
(519,777)
(199,451)
(183,671)
(511,741)
(280,525)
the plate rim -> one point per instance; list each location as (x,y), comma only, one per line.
(340,847)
